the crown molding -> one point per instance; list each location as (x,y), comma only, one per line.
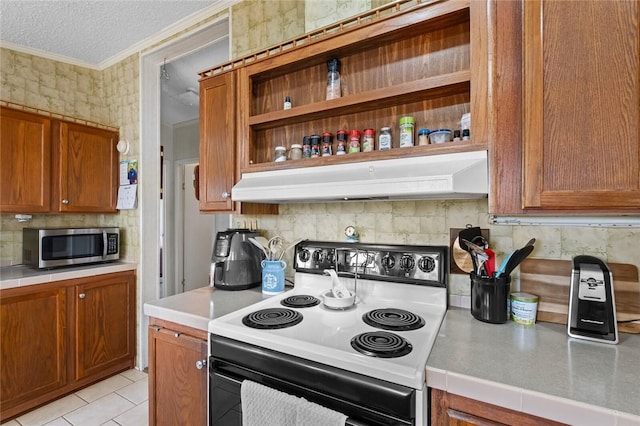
(158,37)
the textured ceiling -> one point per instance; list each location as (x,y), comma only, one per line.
(94,32)
(89,31)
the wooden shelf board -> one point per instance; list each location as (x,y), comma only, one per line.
(416,151)
(428,88)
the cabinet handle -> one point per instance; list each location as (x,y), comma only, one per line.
(225,195)
(201,364)
(65,201)
(82,295)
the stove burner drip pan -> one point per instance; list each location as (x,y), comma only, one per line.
(393,319)
(272,318)
(381,344)
(300,301)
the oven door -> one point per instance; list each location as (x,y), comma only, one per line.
(365,400)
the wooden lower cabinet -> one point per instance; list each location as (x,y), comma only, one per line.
(455,410)
(55,341)
(177,374)
(34,348)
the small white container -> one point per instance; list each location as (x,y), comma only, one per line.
(440,136)
(280,154)
(465,121)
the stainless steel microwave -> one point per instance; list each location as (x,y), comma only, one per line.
(52,247)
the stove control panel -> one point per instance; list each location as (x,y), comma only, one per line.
(422,265)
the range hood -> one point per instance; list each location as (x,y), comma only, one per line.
(444,176)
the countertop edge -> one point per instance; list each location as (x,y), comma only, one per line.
(27,276)
(177,316)
(522,400)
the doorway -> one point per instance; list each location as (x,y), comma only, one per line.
(150,203)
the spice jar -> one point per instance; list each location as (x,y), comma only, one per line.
(333,79)
(341,138)
(280,154)
(406,131)
(466,134)
(368,140)
(327,144)
(306,147)
(384,139)
(295,153)
(354,141)
(423,136)
(315,146)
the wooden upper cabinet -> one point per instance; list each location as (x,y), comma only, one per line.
(581,121)
(86,166)
(25,162)
(217,142)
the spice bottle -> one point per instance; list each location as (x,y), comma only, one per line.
(384,139)
(341,137)
(368,140)
(306,147)
(327,144)
(466,134)
(334,90)
(406,131)
(280,154)
(315,146)
(287,102)
(456,135)
(354,141)
(295,153)
(423,136)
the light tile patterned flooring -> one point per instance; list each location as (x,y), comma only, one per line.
(121,400)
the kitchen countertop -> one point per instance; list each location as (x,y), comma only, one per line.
(538,370)
(197,307)
(21,275)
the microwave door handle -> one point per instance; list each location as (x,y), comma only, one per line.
(104,244)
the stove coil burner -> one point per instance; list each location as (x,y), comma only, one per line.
(381,344)
(300,301)
(393,319)
(272,318)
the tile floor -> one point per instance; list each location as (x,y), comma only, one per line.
(121,400)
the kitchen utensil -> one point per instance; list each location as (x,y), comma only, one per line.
(517,258)
(338,290)
(289,247)
(490,264)
(260,246)
(469,234)
(275,245)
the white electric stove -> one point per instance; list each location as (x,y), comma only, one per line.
(374,350)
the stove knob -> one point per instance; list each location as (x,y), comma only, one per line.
(331,256)
(388,261)
(304,255)
(318,256)
(407,263)
(427,264)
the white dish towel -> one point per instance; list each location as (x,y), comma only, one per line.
(263,406)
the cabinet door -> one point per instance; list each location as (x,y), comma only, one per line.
(105,324)
(33,342)
(25,162)
(455,410)
(178,384)
(217,142)
(86,169)
(581,105)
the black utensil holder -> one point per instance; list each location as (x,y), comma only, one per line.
(489,298)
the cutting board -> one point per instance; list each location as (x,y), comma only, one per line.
(550,280)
